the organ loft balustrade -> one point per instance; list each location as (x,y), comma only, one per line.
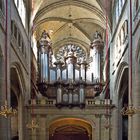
(71,74)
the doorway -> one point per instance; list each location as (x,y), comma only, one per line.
(70,129)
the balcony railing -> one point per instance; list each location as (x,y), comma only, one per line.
(52,102)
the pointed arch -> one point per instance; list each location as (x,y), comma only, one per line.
(123,66)
(17,96)
(17,69)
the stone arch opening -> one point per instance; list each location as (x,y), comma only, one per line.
(123,102)
(16,98)
(14,119)
(70,129)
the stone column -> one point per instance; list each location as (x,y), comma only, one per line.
(42,127)
(115,124)
(136,103)
(47,127)
(98,126)
(3,121)
(93,133)
(5,64)
(33,135)
(47,133)
(5,128)
(106,125)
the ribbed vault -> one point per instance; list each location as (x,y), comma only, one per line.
(72,21)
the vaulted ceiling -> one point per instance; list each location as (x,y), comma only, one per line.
(72,21)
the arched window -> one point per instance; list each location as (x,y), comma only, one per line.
(122,35)
(122,2)
(21,9)
(120,6)
(2,6)
(126,28)
(119,40)
(16,3)
(78,51)
(137,4)
(117,12)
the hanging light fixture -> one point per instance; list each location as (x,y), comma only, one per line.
(5,110)
(129,111)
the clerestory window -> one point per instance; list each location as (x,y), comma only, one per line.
(21,9)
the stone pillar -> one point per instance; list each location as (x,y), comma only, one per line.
(3,121)
(115,124)
(98,126)
(47,127)
(106,125)
(33,135)
(136,103)
(47,133)
(93,133)
(5,67)
(5,128)
(42,127)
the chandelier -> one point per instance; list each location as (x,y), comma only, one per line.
(6,111)
(71,74)
(129,111)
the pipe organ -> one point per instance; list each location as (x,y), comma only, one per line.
(74,76)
